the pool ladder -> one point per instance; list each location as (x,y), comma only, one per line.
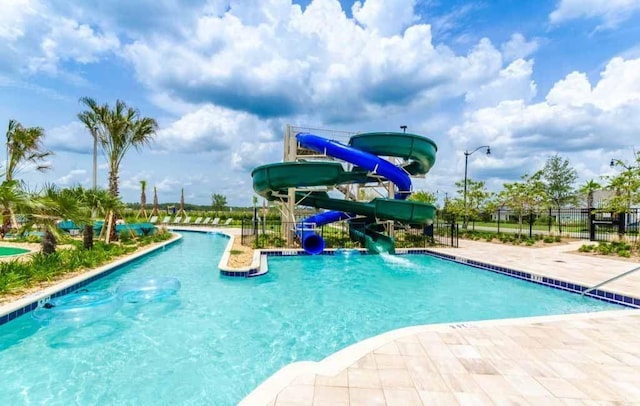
(622,275)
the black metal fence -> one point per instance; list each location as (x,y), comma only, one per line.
(581,223)
(273,234)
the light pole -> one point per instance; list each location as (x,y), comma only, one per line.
(466,163)
(403,128)
(95,161)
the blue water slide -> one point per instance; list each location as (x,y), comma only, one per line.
(312,243)
(365,160)
(306,230)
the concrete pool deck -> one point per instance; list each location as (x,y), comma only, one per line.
(568,359)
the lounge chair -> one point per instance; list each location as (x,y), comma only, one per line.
(166,220)
(153,219)
(228,221)
(215,221)
(198,221)
(206,221)
(177,220)
(187,220)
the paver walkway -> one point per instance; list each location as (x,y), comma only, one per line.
(570,359)
(559,262)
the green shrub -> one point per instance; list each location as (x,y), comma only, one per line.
(586,248)
(624,253)
(604,248)
(125,237)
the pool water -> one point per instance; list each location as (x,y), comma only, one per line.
(220,337)
(7,251)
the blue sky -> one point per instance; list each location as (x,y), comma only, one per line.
(223,78)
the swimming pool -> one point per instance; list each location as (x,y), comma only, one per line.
(220,337)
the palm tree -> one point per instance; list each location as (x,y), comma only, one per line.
(24,147)
(116,129)
(51,205)
(143,199)
(11,197)
(587,189)
(103,202)
(181,212)
(93,201)
(155,202)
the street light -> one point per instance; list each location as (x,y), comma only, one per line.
(95,162)
(403,128)
(466,162)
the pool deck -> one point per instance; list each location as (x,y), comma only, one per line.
(568,359)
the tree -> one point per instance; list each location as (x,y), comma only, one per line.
(626,185)
(559,178)
(587,190)
(143,199)
(181,212)
(218,202)
(117,130)
(423,197)
(524,197)
(12,197)
(453,208)
(49,206)
(93,201)
(155,212)
(24,147)
(477,198)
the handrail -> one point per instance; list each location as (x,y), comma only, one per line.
(611,280)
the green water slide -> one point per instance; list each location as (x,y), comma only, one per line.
(272,181)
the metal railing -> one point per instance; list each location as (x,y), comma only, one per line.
(273,234)
(581,223)
(622,275)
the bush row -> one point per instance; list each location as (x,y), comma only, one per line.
(18,274)
(508,238)
(619,248)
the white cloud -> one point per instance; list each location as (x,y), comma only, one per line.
(611,12)
(69,40)
(574,90)
(513,83)
(248,154)
(518,47)
(38,39)
(575,117)
(454,23)
(619,86)
(210,128)
(388,17)
(72,137)
(317,62)
(13,18)
(73,177)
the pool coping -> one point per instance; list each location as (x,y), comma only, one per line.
(257,266)
(342,359)
(29,302)
(600,294)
